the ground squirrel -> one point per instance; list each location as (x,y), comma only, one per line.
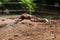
(26,16)
(32,18)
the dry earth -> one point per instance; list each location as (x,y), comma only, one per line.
(28,30)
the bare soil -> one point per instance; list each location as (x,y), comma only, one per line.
(28,30)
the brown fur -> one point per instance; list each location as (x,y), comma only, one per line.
(25,16)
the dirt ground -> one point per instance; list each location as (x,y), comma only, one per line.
(28,30)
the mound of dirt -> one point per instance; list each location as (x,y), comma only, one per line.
(26,29)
